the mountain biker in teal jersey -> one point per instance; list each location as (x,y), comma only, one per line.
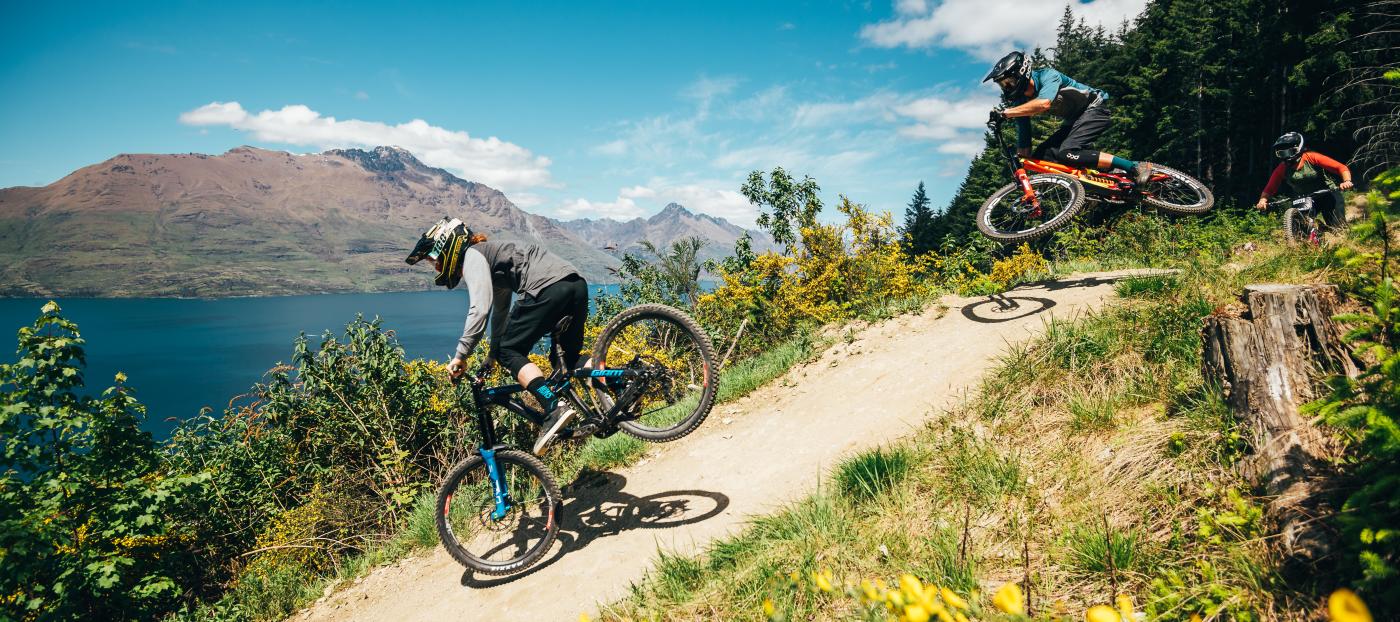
(548,289)
(1028,93)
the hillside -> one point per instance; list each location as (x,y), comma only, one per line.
(258,222)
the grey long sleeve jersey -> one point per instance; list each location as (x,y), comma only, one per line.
(493,271)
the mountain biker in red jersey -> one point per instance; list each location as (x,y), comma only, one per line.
(1084,109)
(1305,172)
(547,286)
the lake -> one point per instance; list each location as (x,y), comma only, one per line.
(181,355)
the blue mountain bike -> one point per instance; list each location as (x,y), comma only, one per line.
(652,375)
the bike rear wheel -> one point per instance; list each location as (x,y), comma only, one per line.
(1008,217)
(1298,228)
(675,365)
(1175,192)
(491,546)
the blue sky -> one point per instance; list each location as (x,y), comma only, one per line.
(573,109)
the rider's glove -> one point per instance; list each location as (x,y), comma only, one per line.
(998,114)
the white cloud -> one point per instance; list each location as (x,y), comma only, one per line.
(361,95)
(491,161)
(942,118)
(877,106)
(989,28)
(710,197)
(621,209)
(706,90)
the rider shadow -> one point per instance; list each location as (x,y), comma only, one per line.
(999,308)
(596,506)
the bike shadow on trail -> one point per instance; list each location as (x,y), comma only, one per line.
(596,506)
(999,308)
(1014,305)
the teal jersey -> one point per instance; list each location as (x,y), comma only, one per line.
(1068,99)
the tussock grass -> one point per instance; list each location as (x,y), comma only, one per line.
(869,474)
(1089,460)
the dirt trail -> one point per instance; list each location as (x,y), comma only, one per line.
(749,458)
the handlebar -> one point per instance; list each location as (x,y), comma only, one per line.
(1315,193)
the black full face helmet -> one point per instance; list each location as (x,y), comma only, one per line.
(444,242)
(1289,146)
(1012,73)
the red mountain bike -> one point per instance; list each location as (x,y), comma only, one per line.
(1046,195)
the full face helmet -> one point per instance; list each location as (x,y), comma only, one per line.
(1288,146)
(1012,73)
(444,242)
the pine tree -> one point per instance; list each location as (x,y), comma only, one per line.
(918,222)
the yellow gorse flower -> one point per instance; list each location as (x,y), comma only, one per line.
(952,599)
(1008,599)
(1345,606)
(1125,607)
(1101,613)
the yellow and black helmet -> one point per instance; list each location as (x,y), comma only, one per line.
(445,241)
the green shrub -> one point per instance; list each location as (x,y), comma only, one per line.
(1367,409)
(89,524)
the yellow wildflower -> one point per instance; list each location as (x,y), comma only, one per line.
(823,580)
(1346,606)
(1125,607)
(952,599)
(1101,613)
(768,607)
(911,586)
(1195,617)
(868,590)
(1009,599)
(915,613)
(583,617)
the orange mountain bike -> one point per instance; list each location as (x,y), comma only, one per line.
(1046,195)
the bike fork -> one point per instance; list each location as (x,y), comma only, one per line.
(498,484)
(1026,188)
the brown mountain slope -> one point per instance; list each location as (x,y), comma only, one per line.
(248,222)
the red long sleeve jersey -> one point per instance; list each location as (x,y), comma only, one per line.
(1312,157)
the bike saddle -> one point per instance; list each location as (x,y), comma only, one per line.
(562,326)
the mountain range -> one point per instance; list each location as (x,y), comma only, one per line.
(257,222)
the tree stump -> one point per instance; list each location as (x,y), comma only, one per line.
(1268,355)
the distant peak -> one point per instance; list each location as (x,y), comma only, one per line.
(673,210)
(380,159)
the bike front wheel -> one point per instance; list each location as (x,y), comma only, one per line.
(1008,216)
(673,381)
(1298,228)
(1175,192)
(498,539)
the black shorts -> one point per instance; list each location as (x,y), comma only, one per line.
(1073,142)
(533,317)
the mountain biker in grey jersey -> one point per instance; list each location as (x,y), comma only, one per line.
(1028,93)
(548,289)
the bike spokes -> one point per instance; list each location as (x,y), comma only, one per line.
(1176,192)
(1010,216)
(490,537)
(670,384)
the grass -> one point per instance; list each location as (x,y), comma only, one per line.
(872,473)
(1091,459)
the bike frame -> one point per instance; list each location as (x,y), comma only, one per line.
(561,383)
(1106,185)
